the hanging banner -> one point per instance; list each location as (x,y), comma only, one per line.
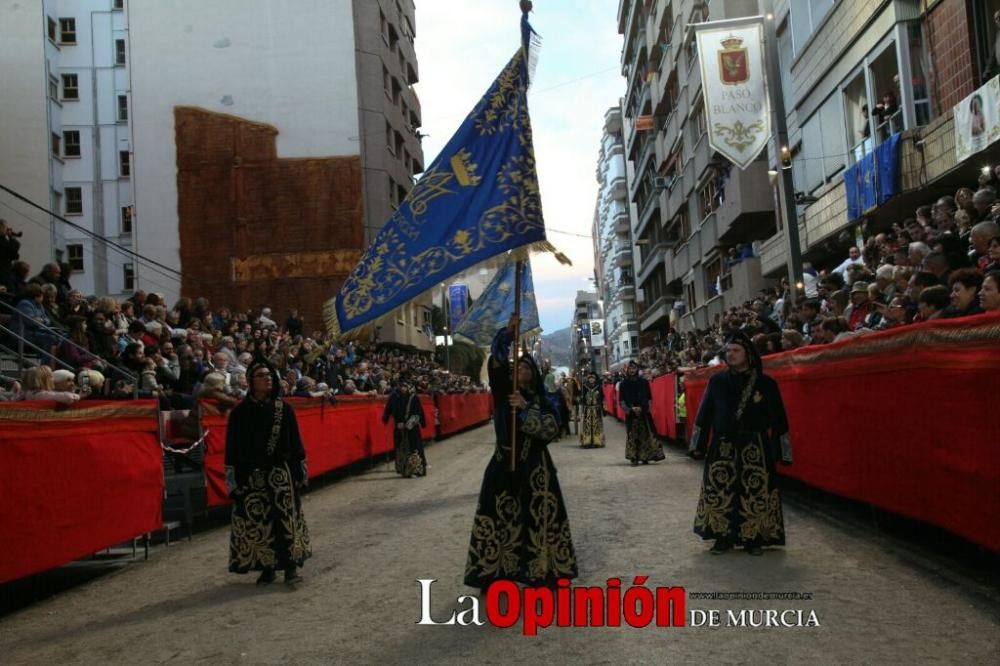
(596,333)
(458,303)
(977,120)
(737,112)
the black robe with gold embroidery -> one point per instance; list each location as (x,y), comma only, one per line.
(408,417)
(520,530)
(592,417)
(641,441)
(265,472)
(739,500)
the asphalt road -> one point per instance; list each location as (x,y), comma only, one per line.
(375,535)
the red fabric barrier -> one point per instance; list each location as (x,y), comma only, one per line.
(458,412)
(334,436)
(902,420)
(609,399)
(664,408)
(75,480)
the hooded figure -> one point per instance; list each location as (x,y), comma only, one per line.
(520,531)
(406,411)
(635,396)
(265,473)
(592,413)
(742,432)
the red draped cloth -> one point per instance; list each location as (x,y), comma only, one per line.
(338,435)
(903,420)
(75,480)
(609,399)
(664,407)
(459,412)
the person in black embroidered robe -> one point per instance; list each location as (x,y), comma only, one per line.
(641,443)
(592,414)
(265,472)
(521,530)
(408,415)
(742,409)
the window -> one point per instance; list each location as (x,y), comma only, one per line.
(713,273)
(128,271)
(122,108)
(71,143)
(806,16)
(393,200)
(692,300)
(386,82)
(119,51)
(53,88)
(708,200)
(389,144)
(118,4)
(52,28)
(56,142)
(71,86)
(67,31)
(383,27)
(74,254)
(126,219)
(74,200)
(123,164)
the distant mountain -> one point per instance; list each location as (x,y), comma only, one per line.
(556,347)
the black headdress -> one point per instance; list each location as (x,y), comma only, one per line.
(738,337)
(256,365)
(537,381)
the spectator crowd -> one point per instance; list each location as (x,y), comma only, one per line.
(942,263)
(182,353)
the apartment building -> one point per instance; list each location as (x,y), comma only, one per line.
(613,248)
(840,58)
(587,345)
(693,208)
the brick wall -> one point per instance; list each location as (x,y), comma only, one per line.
(256,229)
(949,35)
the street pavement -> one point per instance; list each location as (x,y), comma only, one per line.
(374,535)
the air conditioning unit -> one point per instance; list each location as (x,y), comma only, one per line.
(664,182)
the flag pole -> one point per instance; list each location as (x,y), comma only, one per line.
(515,351)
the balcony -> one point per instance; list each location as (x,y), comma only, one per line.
(619,188)
(622,223)
(747,213)
(656,313)
(675,200)
(627,292)
(774,253)
(652,260)
(623,255)
(702,156)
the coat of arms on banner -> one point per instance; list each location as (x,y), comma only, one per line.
(734,66)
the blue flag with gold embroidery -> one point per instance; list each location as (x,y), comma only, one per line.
(493,308)
(477,199)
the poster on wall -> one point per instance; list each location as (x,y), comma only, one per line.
(596,333)
(977,120)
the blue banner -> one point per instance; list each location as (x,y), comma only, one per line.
(478,198)
(492,310)
(458,304)
(887,159)
(869,188)
(852,189)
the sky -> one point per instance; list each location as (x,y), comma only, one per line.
(461,47)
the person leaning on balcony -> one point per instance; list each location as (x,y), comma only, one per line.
(989,294)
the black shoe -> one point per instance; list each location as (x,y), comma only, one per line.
(721,546)
(267,576)
(292,576)
(755,550)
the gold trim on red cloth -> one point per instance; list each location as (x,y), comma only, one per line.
(48,411)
